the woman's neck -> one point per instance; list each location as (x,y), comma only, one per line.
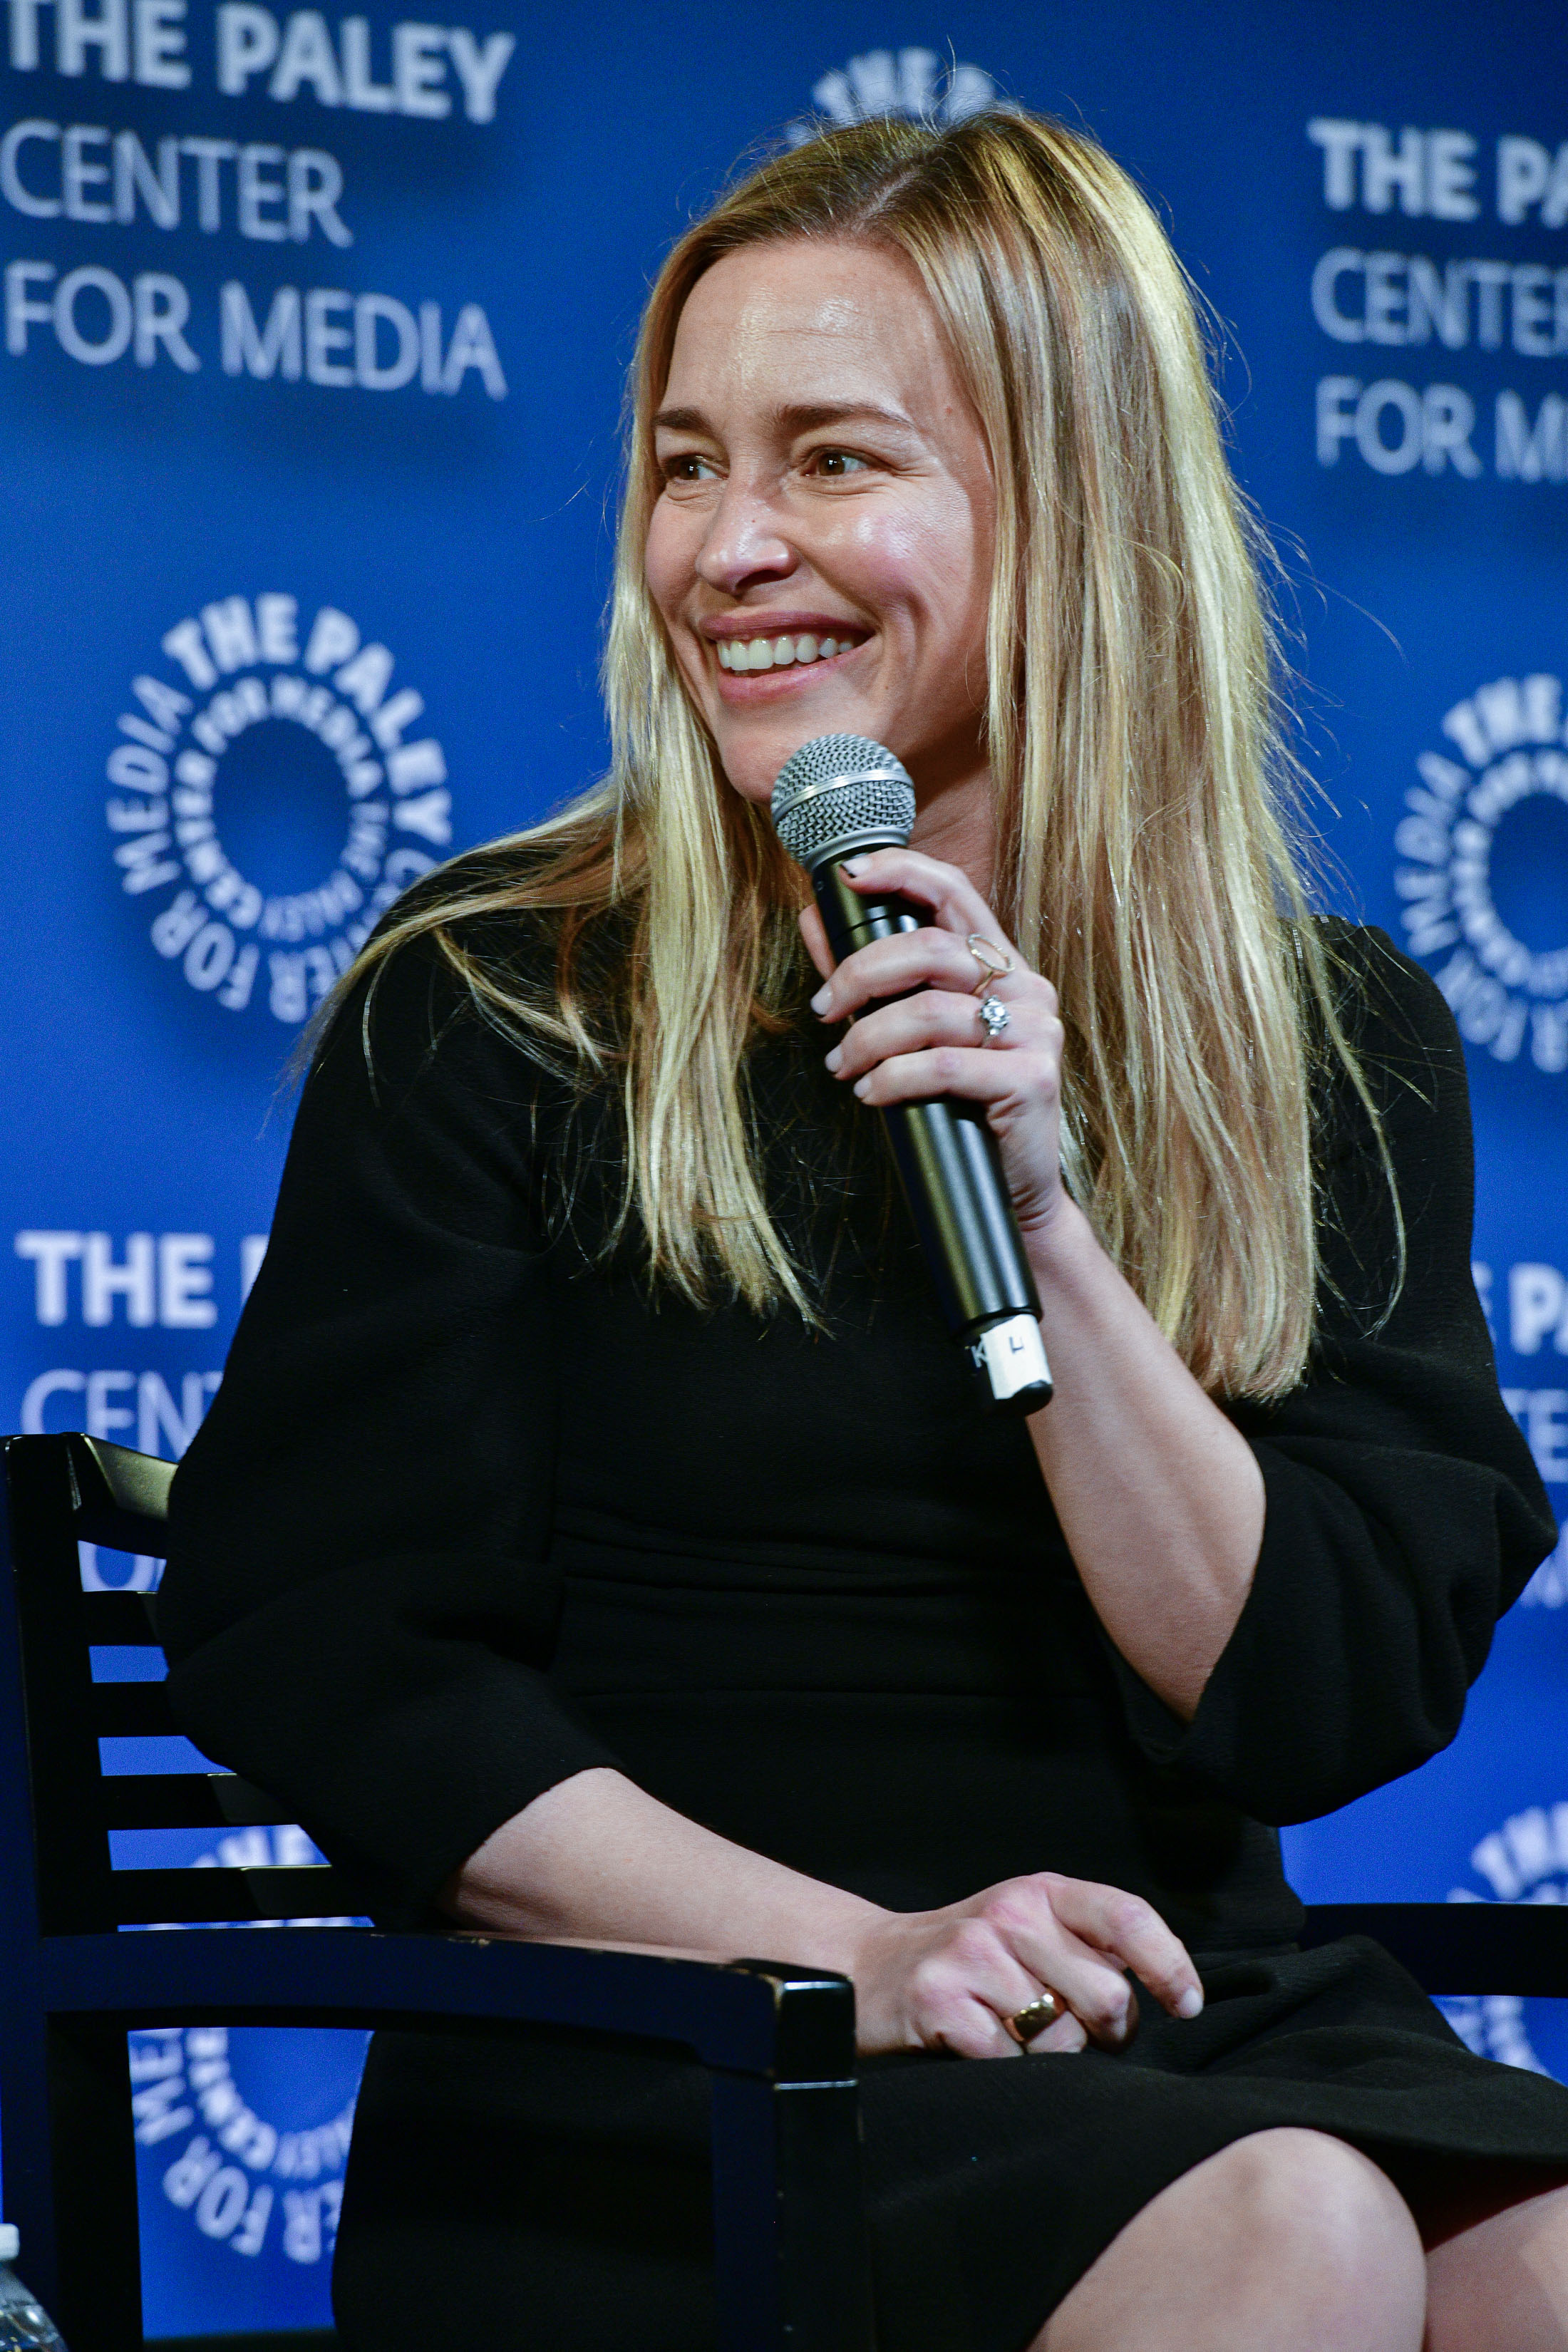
(956,824)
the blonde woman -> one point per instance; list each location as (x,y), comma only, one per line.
(597,1534)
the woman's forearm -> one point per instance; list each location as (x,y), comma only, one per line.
(1159,1497)
(597,1858)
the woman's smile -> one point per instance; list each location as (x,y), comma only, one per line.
(790,650)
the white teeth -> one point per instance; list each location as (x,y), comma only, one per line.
(776,652)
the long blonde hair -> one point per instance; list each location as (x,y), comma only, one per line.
(1146,853)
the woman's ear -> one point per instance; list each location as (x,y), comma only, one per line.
(816,937)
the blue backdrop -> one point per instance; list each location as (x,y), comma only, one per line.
(314,327)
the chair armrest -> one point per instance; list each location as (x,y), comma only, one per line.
(1459,1948)
(121,1498)
(760,2018)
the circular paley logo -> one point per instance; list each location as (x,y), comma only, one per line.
(268,805)
(913,82)
(1481,849)
(248,2132)
(255,2185)
(1525,1861)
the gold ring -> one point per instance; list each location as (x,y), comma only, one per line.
(1032,2022)
(993,961)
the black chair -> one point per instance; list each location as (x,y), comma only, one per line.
(779,2042)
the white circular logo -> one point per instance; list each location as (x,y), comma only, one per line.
(252,2179)
(1525,1861)
(279,743)
(246,2180)
(1508,993)
(911,82)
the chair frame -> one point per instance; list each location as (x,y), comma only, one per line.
(791,2266)
(791,2259)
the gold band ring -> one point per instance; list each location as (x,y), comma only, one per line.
(1028,2024)
(993,961)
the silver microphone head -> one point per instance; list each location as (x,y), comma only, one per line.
(839,793)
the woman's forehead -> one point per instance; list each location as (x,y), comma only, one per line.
(808,324)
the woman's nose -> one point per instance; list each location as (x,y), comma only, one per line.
(744,543)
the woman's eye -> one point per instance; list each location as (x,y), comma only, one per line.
(836,463)
(689,466)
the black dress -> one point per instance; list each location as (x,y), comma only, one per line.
(471,1513)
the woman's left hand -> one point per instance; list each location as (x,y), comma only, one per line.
(932,1040)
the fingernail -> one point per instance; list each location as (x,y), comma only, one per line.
(853,865)
(834,1058)
(821,1001)
(1191,2002)
(861,1085)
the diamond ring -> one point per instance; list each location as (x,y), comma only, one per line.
(994,1017)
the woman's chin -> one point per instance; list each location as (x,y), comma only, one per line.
(751,755)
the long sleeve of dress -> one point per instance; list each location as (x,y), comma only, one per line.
(357,1607)
(1403,1511)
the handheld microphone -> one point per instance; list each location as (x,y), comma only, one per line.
(835,797)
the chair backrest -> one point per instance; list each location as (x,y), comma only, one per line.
(92,1676)
(790,2254)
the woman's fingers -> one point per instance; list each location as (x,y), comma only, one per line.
(909,959)
(1114,1922)
(932,1018)
(976,1074)
(954,1978)
(969,2028)
(964,1986)
(1096,1991)
(1082,1939)
(1007,1973)
(1064,2037)
(1002,1956)
(947,890)
(814,932)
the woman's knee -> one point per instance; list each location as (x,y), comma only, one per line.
(1318,2231)
(1288,2237)
(1316,2197)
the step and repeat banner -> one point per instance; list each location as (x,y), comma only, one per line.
(314,330)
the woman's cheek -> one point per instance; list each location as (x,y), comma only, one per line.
(669,559)
(669,572)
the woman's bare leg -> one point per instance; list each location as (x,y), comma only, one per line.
(1497,2269)
(1286,2241)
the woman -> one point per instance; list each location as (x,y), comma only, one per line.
(596,1533)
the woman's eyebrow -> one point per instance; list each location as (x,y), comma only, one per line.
(794,416)
(809,417)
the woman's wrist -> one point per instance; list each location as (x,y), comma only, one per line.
(1059,1244)
(840,1932)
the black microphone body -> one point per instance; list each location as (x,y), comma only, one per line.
(944,1151)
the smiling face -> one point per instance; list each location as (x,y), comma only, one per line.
(822,547)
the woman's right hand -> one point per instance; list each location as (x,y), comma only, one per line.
(947,1979)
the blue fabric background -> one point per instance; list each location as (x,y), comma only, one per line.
(443,487)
